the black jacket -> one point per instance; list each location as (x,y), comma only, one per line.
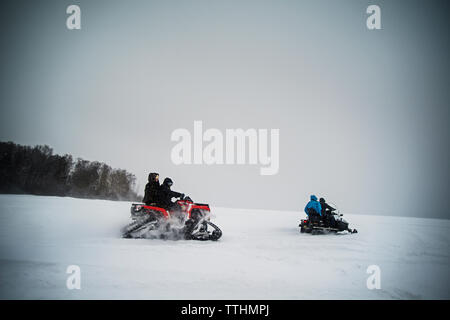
(152,189)
(326,208)
(166,195)
(151,193)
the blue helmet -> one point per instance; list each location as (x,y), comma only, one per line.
(313,198)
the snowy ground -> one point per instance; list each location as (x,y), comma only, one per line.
(261,255)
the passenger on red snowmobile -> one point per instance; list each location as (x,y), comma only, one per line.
(166,194)
(313,209)
(152,189)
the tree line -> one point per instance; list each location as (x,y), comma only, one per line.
(36,170)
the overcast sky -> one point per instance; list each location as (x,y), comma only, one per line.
(363,115)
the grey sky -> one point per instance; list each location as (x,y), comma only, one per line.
(363,115)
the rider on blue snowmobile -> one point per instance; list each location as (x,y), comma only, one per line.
(313,209)
(326,211)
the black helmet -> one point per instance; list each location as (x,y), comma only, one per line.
(152,176)
(168,182)
(322,200)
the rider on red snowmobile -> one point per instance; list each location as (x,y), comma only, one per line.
(166,194)
(152,189)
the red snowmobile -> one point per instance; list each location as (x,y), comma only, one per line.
(184,220)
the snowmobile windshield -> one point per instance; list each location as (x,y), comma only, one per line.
(336,211)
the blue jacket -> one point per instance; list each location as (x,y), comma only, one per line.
(313,203)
